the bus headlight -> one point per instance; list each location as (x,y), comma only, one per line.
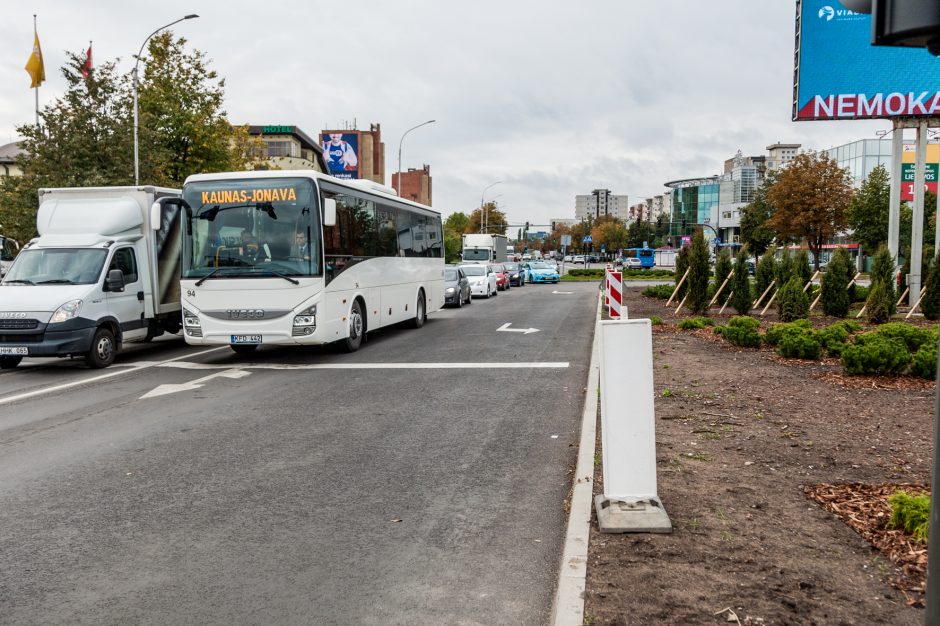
(190,320)
(307,317)
(66,312)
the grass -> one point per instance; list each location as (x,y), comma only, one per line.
(667,393)
(698,456)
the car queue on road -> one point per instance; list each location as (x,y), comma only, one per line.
(468,279)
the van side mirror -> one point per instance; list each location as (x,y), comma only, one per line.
(329,212)
(155,216)
(114,281)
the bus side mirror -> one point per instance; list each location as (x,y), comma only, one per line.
(329,212)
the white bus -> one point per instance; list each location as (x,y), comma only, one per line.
(300,258)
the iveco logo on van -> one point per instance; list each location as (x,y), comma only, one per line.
(12,315)
(245,314)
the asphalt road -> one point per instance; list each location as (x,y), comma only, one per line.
(420,480)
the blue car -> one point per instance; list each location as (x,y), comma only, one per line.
(539,272)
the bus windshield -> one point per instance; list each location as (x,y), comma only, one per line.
(252,228)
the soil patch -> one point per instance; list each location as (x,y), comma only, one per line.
(742,437)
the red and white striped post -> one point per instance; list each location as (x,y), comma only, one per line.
(607,272)
(615,294)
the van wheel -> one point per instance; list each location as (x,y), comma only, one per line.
(418,320)
(244,348)
(9,362)
(103,349)
(357,327)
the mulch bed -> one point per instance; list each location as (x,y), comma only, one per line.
(865,508)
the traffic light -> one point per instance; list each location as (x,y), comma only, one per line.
(669,241)
(527,226)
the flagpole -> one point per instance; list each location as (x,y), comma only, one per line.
(35,31)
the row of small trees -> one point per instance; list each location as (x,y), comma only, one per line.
(790,275)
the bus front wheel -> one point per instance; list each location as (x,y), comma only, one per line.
(418,320)
(357,328)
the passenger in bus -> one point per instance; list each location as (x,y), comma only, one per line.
(300,249)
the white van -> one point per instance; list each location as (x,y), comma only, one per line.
(104,271)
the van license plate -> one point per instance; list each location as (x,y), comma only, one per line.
(20,351)
(246,338)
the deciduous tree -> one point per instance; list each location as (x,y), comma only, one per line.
(868,212)
(495,219)
(811,196)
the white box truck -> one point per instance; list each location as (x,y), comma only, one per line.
(104,271)
(478,247)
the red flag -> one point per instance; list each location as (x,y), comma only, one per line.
(86,67)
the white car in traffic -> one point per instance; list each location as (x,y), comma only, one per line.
(482,279)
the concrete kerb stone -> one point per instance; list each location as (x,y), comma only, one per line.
(568,606)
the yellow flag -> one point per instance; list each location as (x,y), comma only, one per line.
(34,66)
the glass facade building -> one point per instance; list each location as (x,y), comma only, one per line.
(692,203)
(861,157)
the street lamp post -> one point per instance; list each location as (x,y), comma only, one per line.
(136,63)
(482,220)
(398,190)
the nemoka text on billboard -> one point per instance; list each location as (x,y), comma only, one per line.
(341,152)
(839,75)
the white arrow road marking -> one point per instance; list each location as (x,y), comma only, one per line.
(505,328)
(566,293)
(163,390)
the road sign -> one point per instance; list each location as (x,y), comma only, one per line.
(566,240)
(587,239)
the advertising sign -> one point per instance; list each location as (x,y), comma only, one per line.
(840,75)
(341,151)
(907,180)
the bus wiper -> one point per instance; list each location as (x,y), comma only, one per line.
(206,277)
(284,276)
(62,281)
(20,281)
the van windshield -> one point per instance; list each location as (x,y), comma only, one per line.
(57,266)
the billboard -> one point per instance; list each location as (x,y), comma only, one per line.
(839,75)
(907,170)
(341,152)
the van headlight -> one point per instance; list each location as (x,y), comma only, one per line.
(307,317)
(67,311)
(190,320)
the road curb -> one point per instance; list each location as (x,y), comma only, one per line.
(568,606)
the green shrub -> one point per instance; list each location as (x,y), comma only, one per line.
(764,273)
(741,335)
(930,303)
(912,336)
(722,271)
(858,293)
(776,331)
(692,323)
(743,321)
(832,334)
(784,268)
(741,297)
(882,271)
(851,326)
(799,345)
(875,354)
(835,349)
(792,302)
(656,320)
(878,305)
(925,362)
(910,513)
(659,291)
(697,300)
(835,294)
(682,264)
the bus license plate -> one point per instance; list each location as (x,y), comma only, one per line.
(246,338)
(20,351)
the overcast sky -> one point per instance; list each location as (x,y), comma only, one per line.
(552,98)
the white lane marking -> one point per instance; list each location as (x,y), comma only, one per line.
(146,364)
(365,366)
(163,390)
(505,328)
(564,293)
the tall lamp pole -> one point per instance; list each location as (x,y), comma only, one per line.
(136,63)
(398,190)
(482,221)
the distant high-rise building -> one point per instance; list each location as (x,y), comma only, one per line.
(599,203)
(415,184)
(779,154)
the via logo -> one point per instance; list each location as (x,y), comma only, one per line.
(827,12)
